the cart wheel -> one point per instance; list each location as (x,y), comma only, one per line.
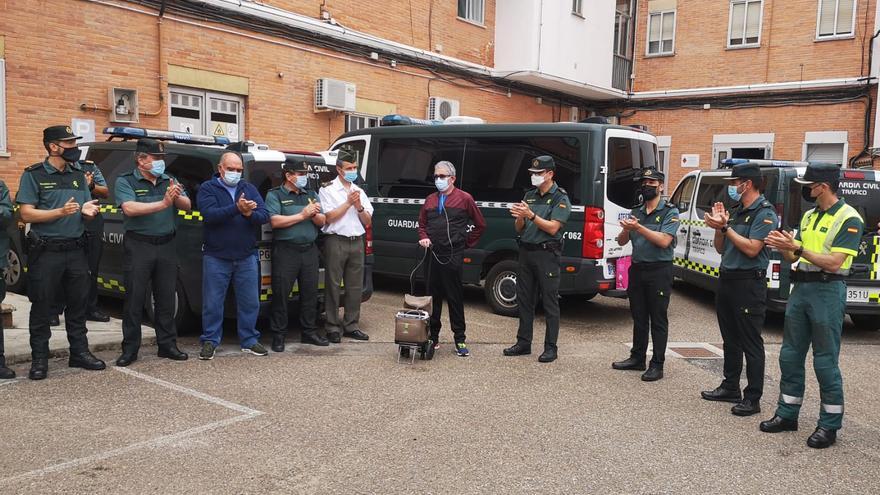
(429,353)
(404,352)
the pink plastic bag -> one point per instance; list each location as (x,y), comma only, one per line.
(622,272)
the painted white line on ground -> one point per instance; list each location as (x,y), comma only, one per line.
(189,391)
(247,413)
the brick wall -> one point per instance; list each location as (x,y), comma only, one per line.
(419,23)
(788,50)
(95,47)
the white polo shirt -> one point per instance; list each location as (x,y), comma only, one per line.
(332,196)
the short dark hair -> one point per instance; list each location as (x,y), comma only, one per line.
(834,186)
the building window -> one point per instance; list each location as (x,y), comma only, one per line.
(354,122)
(2,106)
(745,23)
(836,18)
(661,33)
(826,146)
(203,112)
(577,7)
(472,10)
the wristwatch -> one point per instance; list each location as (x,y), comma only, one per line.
(799,251)
(724,229)
(534,215)
(361,209)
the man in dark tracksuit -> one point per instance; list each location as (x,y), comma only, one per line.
(443,227)
(651,228)
(149,198)
(540,218)
(295,215)
(5,219)
(55,199)
(741,298)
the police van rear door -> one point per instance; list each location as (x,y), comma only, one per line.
(861,190)
(263,169)
(683,198)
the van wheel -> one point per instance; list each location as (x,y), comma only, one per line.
(184,320)
(866,322)
(500,288)
(15,279)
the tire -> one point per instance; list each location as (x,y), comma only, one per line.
(500,288)
(866,322)
(15,274)
(184,320)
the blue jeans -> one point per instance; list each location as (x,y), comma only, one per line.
(216,275)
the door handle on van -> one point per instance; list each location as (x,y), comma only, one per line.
(697,233)
(683,231)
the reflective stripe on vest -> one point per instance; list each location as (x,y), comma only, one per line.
(814,239)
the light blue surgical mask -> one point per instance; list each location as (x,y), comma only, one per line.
(733,192)
(158,167)
(302,181)
(351,176)
(231,178)
(442,184)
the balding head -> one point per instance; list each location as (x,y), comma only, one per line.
(230,166)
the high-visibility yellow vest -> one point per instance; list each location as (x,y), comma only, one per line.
(817,234)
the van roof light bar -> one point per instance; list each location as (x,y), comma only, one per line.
(730,162)
(178,137)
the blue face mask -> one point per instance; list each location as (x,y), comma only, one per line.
(442,184)
(302,181)
(158,167)
(351,176)
(232,178)
(733,192)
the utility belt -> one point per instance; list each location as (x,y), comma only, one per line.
(299,246)
(56,244)
(552,246)
(349,237)
(742,274)
(151,239)
(799,276)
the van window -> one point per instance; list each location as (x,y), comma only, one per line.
(625,157)
(683,194)
(112,163)
(712,190)
(406,166)
(264,175)
(863,195)
(191,172)
(496,168)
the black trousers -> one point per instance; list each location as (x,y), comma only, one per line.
(153,266)
(294,263)
(58,276)
(444,283)
(94,251)
(538,276)
(741,305)
(2,297)
(650,285)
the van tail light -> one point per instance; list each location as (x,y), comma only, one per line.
(369,246)
(594,233)
(775,271)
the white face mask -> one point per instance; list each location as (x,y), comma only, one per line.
(537,180)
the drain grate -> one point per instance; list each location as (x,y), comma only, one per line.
(695,353)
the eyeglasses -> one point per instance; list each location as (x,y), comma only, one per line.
(441,176)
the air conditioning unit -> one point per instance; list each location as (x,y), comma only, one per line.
(442,108)
(331,94)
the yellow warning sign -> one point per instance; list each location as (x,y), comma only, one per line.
(218,131)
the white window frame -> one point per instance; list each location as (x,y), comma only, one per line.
(745,23)
(577,7)
(661,53)
(361,116)
(835,36)
(828,137)
(469,7)
(3,145)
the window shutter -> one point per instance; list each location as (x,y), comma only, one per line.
(844,16)
(826,17)
(825,152)
(737,16)
(753,21)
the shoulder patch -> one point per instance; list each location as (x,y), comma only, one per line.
(562,205)
(768,221)
(674,219)
(852,230)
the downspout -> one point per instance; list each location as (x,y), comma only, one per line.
(162,77)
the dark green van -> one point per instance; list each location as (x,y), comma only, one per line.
(596,163)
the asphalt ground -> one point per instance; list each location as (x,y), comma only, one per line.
(351,419)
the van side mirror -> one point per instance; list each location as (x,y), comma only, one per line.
(682,206)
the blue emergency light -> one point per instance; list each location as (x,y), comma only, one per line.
(179,137)
(397,119)
(731,162)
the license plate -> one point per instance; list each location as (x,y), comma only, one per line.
(859,294)
(609,270)
(265,254)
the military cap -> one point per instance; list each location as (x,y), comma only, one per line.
(294,165)
(150,146)
(747,171)
(649,173)
(820,172)
(543,163)
(59,133)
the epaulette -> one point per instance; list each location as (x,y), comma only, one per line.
(558,188)
(33,167)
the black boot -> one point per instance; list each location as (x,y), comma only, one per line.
(85,360)
(549,354)
(822,438)
(39,369)
(777,424)
(313,338)
(278,343)
(631,363)
(518,349)
(654,373)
